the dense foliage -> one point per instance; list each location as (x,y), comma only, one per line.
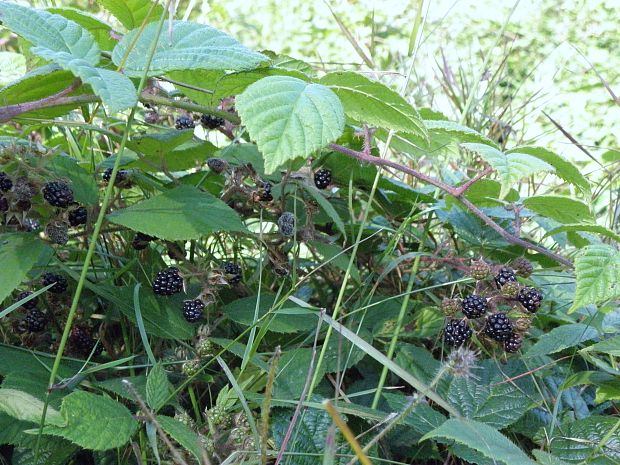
(212,254)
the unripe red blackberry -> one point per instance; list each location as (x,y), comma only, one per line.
(217,165)
(210,121)
(31,304)
(5,182)
(522,266)
(456,332)
(505,275)
(531,299)
(59,281)
(322,178)
(286,223)
(35,321)
(58,194)
(510,289)
(193,309)
(57,232)
(450,306)
(480,270)
(232,272)
(78,216)
(184,122)
(474,306)
(168,282)
(513,343)
(498,327)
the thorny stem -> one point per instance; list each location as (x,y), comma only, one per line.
(457,192)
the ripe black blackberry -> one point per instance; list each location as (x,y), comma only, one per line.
(59,281)
(78,216)
(123,178)
(58,194)
(4,205)
(35,320)
(513,343)
(5,182)
(141,241)
(30,225)
(322,178)
(184,122)
(82,340)
(168,282)
(456,332)
(474,306)
(192,310)
(265,193)
(31,304)
(498,327)
(531,299)
(504,276)
(232,272)
(286,223)
(210,121)
(217,165)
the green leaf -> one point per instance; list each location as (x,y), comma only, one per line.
(25,407)
(94,422)
(561,338)
(84,187)
(545,458)
(235,83)
(598,272)
(457,131)
(580,439)
(481,438)
(101,31)
(372,102)
(289,118)
(203,81)
(192,46)
(563,168)
(12,66)
(326,206)
(131,13)
(182,213)
(158,388)
(585,227)
(609,346)
(334,255)
(511,167)
(182,434)
(562,209)
(18,254)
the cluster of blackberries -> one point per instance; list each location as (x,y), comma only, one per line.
(35,320)
(322,178)
(184,122)
(497,325)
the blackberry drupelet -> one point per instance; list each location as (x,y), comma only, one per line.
(59,281)
(5,182)
(35,320)
(286,223)
(210,121)
(531,299)
(192,310)
(31,304)
(322,178)
(58,194)
(78,216)
(141,241)
(498,327)
(513,343)
(504,276)
(474,306)
(232,272)
(168,282)
(456,332)
(184,122)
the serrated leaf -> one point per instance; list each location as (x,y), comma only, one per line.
(598,273)
(481,438)
(580,441)
(158,388)
(201,84)
(18,254)
(511,167)
(458,131)
(289,118)
(101,31)
(585,227)
(372,102)
(235,83)
(94,422)
(25,407)
(545,458)
(131,13)
(562,209)
(561,338)
(84,187)
(192,46)
(12,66)
(182,213)
(182,434)
(563,168)
(609,346)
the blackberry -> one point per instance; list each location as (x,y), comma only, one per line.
(22,190)
(123,178)
(205,348)
(217,165)
(191,368)
(479,270)
(531,299)
(78,216)
(513,343)
(58,194)
(168,282)
(4,205)
(59,281)
(83,341)
(474,306)
(35,320)
(211,122)
(498,327)
(192,310)
(265,194)
(31,304)
(184,122)
(286,223)
(456,332)
(57,232)
(504,276)
(511,289)
(232,272)
(5,182)
(322,178)
(141,241)
(522,266)
(450,306)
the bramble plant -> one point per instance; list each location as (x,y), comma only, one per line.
(212,254)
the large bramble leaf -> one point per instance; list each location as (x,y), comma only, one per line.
(192,46)
(372,102)
(457,131)
(561,338)
(511,167)
(598,273)
(158,388)
(235,83)
(481,438)
(289,118)
(12,67)
(101,31)
(182,213)
(584,440)
(562,209)
(94,422)
(132,13)
(25,407)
